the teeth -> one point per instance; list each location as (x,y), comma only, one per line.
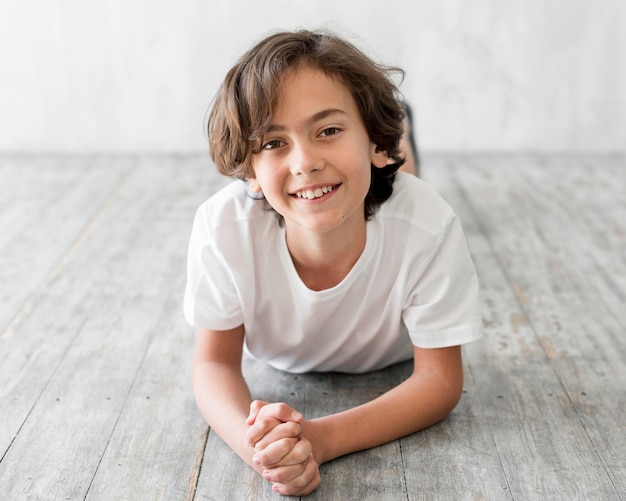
(310,194)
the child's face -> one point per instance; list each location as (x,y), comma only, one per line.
(314,162)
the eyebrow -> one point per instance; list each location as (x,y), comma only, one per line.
(320,115)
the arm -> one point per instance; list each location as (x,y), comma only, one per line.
(224,399)
(426,397)
(220,390)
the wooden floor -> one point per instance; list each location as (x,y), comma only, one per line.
(95,400)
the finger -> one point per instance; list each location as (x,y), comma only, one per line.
(280,431)
(285,452)
(269,417)
(273,454)
(255,407)
(303,484)
(280,411)
(260,428)
(284,474)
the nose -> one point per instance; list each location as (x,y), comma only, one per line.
(305,158)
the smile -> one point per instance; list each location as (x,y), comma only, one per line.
(316,193)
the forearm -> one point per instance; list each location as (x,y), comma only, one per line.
(421,401)
(223,398)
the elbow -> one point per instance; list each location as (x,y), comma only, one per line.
(446,394)
(438,374)
(452,401)
(451,392)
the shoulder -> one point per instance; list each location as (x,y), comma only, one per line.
(232,218)
(416,204)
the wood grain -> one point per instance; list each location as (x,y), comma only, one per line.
(95,399)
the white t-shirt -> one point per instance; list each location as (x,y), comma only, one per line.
(414,283)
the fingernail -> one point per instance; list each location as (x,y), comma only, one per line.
(256,460)
(266,476)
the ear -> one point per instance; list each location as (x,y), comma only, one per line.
(253,185)
(379,157)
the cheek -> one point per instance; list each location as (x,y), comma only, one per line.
(270,189)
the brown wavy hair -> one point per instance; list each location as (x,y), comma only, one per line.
(242,108)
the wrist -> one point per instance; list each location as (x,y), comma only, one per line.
(246,452)
(321,442)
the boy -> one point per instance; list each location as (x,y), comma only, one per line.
(323,258)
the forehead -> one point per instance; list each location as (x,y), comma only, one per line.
(310,89)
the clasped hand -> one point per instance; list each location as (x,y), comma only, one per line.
(285,454)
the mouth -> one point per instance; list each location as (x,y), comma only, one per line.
(319,192)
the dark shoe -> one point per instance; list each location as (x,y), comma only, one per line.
(409,116)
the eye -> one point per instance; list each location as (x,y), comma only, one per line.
(330,131)
(273,144)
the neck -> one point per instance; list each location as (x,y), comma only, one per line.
(323,260)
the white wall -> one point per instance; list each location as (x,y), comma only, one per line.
(484,75)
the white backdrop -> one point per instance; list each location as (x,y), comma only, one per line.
(132,76)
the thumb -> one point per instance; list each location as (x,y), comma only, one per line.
(255,407)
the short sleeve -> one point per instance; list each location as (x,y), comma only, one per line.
(211,298)
(444,305)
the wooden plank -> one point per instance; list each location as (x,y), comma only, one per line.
(375,474)
(541,416)
(29,350)
(157,446)
(538,415)
(47,204)
(100,314)
(456,459)
(583,331)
